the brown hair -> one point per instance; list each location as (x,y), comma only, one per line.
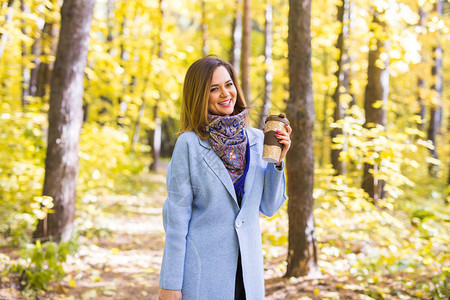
(196,88)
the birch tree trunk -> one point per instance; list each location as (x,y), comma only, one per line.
(156,144)
(123,105)
(236,37)
(204,30)
(268,76)
(421,84)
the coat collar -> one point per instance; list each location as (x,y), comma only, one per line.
(216,165)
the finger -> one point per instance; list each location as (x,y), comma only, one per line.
(282,137)
(283,133)
(288,129)
(286,144)
(284,140)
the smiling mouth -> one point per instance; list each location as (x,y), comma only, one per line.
(226,102)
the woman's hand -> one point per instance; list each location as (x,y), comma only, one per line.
(169,295)
(284,139)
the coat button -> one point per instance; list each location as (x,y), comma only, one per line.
(238,223)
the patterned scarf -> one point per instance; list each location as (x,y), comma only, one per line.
(228,139)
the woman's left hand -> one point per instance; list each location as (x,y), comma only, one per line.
(284,139)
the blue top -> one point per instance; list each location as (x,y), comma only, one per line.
(239,184)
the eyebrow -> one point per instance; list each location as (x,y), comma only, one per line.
(218,84)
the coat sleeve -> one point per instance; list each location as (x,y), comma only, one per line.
(274,191)
(176,216)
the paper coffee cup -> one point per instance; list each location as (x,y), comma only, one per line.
(272,148)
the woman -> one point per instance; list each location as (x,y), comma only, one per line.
(217,184)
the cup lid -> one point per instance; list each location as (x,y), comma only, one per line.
(279,117)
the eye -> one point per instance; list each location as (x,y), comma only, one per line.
(213,90)
(229,84)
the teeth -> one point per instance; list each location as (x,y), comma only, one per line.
(225,102)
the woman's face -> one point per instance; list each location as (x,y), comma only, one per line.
(222,94)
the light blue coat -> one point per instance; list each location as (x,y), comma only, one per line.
(205,227)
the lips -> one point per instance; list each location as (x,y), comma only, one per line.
(225,103)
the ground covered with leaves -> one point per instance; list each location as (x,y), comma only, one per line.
(397,250)
(365,253)
(120,249)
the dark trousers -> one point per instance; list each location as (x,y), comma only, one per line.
(239,292)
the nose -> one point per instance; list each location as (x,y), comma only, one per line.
(224,92)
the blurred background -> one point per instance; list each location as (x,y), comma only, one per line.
(384,61)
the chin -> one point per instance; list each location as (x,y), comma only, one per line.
(224,112)
(229,113)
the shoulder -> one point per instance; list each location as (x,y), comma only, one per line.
(187,137)
(186,140)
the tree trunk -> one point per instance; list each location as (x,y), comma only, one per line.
(156,149)
(48,48)
(421,84)
(65,119)
(268,66)
(448,164)
(123,105)
(8,19)
(324,126)
(45,67)
(435,108)
(236,36)
(246,48)
(341,86)
(204,30)
(302,251)
(377,89)
(110,19)
(25,69)
(35,50)
(156,144)
(422,111)
(137,125)
(351,59)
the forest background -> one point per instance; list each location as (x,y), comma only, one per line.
(393,246)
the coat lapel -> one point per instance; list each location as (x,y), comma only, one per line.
(216,165)
(253,139)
